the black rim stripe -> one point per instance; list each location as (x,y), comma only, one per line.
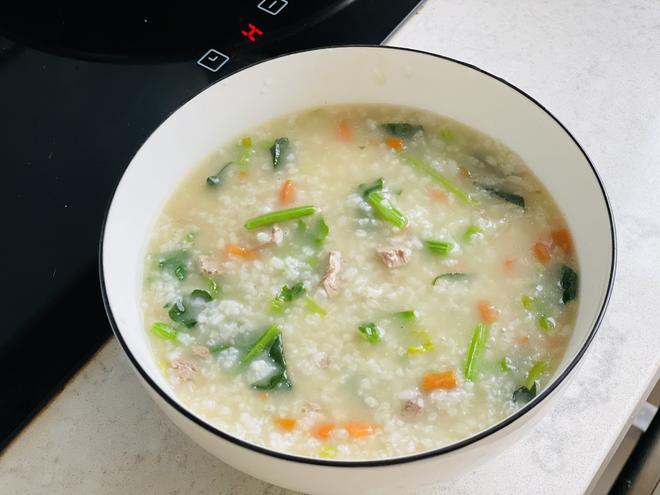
(396,460)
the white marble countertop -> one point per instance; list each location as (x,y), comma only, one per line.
(596,67)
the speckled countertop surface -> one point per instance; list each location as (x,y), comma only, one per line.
(596,67)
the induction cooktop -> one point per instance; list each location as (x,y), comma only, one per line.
(80,89)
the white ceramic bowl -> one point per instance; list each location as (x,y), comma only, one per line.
(353,75)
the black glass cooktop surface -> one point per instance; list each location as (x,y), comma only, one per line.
(79,92)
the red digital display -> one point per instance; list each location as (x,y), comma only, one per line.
(252,32)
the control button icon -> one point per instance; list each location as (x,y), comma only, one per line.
(273,7)
(254,31)
(213,60)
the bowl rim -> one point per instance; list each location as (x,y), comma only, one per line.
(388,461)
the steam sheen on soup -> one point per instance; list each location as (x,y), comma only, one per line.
(359,282)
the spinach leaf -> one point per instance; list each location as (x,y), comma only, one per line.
(514,198)
(523,394)
(181,314)
(314,235)
(216,180)
(294,292)
(510,197)
(401,129)
(318,232)
(175,262)
(286,295)
(201,295)
(568,283)
(278,149)
(280,380)
(376,185)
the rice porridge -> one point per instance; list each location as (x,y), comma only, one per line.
(359,282)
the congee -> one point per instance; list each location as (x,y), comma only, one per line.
(359,282)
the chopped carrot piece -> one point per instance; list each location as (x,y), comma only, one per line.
(439,196)
(524,340)
(359,429)
(395,143)
(562,238)
(243,174)
(322,431)
(345,133)
(242,252)
(286,424)
(509,265)
(439,380)
(287,192)
(487,312)
(541,252)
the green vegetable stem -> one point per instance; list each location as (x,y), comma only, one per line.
(428,169)
(386,210)
(279,216)
(477,345)
(370,331)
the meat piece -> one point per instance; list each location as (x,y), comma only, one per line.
(209,265)
(201,351)
(184,370)
(394,258)
(330,281)
(412,408)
